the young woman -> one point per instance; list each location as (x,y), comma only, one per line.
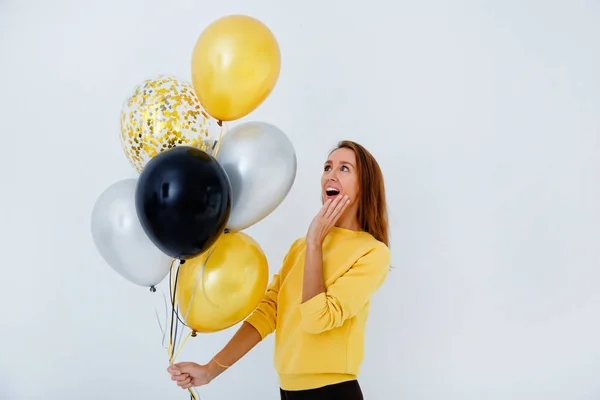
(318,303)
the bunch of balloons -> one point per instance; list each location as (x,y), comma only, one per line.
(196,191)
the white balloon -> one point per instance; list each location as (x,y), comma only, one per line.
(121,240)
(260,161)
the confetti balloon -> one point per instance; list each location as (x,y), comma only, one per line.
(163,113)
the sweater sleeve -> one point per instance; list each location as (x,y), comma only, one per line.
(264,316)
(344,298)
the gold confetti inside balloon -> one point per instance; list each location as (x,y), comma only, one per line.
(163,113)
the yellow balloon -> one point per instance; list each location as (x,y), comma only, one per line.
(224,284)
(235,66)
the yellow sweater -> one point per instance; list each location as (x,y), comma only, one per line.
(320,342)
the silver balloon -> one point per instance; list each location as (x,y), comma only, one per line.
(121,240)
(260,162)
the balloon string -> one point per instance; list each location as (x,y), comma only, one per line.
(162,327)
(173,337)
(193,393)
(181,346)
(176,320)
(218,143)
(173,300)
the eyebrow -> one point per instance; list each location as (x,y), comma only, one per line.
(341,162)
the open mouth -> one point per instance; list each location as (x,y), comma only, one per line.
(332,192)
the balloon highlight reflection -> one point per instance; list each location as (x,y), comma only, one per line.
(183,200)
(235,66)
(121,240)
(260,162)
(222,286)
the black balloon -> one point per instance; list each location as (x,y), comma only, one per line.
(183,201)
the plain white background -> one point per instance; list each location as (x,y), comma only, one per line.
(484,116)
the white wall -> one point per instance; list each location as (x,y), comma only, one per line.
(484,116)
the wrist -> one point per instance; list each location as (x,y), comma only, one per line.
(313,244)
(215,369)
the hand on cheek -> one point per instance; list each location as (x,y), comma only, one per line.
(331,211)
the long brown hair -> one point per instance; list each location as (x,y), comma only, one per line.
(372,208)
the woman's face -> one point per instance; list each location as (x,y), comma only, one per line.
(340,176)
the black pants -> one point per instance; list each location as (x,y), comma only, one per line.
(340,391)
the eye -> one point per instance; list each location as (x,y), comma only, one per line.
(327,168)
(345,168)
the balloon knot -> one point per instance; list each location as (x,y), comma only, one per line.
(152,289)
(220,123)
(194,334)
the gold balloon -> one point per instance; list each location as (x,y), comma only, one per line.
(224,284)
(160,114)
(235,66)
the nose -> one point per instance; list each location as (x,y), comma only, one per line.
(332,176)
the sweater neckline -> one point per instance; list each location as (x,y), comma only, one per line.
(345,231)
